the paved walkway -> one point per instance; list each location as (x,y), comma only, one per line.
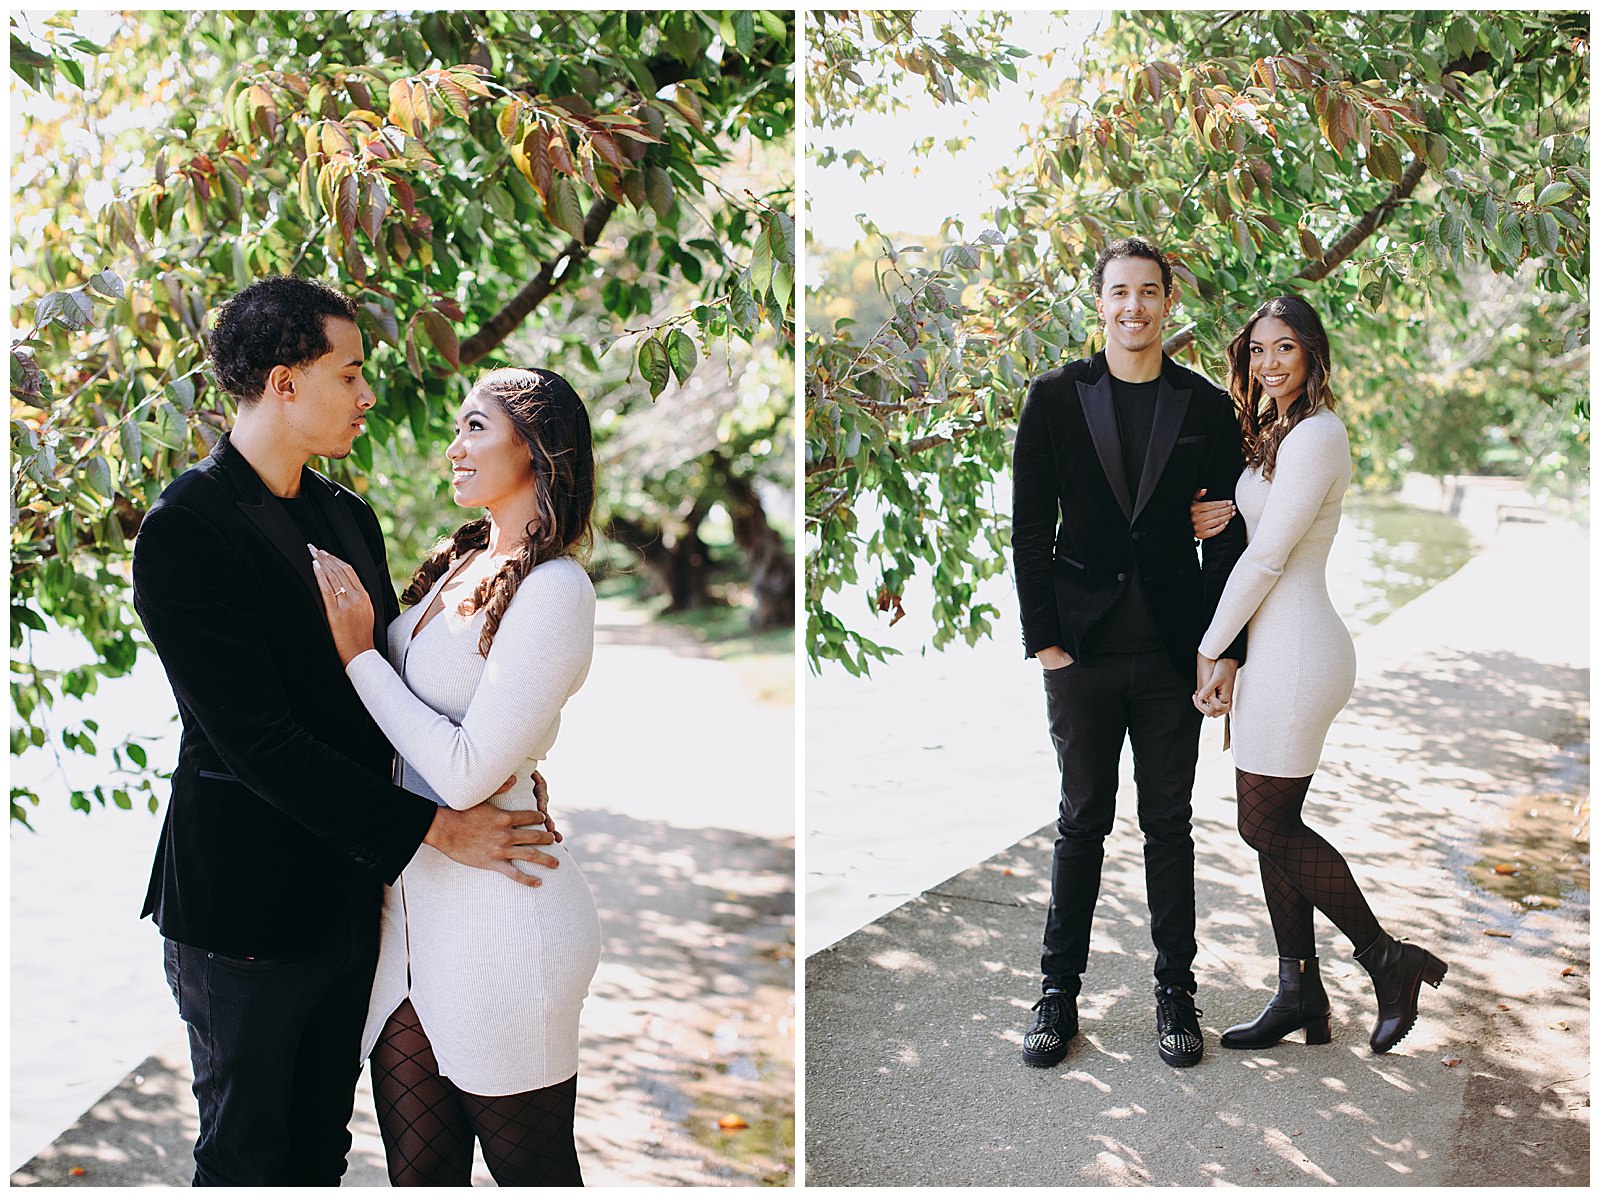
(1465,745)
(687,842)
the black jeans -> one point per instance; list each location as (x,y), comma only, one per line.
(1093,706)
(276,1049)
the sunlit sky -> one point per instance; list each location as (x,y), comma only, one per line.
(916,194)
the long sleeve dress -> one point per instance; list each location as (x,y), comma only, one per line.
(1302,665)
(496,971)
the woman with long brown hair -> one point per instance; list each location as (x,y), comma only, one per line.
(1300,672)
(473,1023)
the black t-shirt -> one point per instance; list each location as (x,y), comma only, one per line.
(1129,627)
(313,525)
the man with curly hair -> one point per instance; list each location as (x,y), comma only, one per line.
(284,825)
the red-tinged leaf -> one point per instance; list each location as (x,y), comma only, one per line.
(374,206)
(606,181)
(383,322)
(443,336)
(402,106)
(355,263)
(376,147)
(357,91)
(469,82)
(534,160)
(576,105)
(1498,934)
(686,102)
(450,308)
(560,154)
(413,358)
(202,185)
(633,188)
(562,208)
(1309,245)
(425,116)
(1507,870)
(345,206)
(659,190)
(453,95)
(1569,971)
(1451,1061)
(236,164)
(405,196)
(469,68)
(732,1122)
(607,149)
(506,122)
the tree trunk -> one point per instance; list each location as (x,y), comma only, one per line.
(767,560)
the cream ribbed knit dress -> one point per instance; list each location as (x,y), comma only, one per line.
(496,971)
(1300,668)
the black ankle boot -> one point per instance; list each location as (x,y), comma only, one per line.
(1300,1002)
(1398,971)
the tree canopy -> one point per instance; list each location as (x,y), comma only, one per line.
(1402,170)
(488,186)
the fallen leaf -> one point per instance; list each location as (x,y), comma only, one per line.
(1005,872)
(1499,934)
(1560,1026)
(75,1172)
(1506,870)
(732,1122)
(1451,1062)
(1569,971)
(1502,1006)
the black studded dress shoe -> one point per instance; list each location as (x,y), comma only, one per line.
(1055,1022)
(1177,1027)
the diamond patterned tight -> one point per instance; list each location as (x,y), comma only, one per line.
(428,1124)
(1299,869)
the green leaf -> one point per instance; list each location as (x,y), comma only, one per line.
(132,442)
(1554,193)
(761,265)
(97,476)
(780,230)
(27,617)
(653,365)
(681,354)
(109,284)
(137,755)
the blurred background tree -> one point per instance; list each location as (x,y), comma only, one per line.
(490,187)
(1421,177)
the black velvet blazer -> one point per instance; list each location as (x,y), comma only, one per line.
(1077,534)
(282,809)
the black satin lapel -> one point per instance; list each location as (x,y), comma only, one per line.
(1102,421)
(1171,406)
(278,526)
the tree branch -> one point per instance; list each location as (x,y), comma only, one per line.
(1369,223)
(504,322)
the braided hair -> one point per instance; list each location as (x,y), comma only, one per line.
(1259,423)
(552,422)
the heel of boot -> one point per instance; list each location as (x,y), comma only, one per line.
(1319,1031)
(1433,970)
